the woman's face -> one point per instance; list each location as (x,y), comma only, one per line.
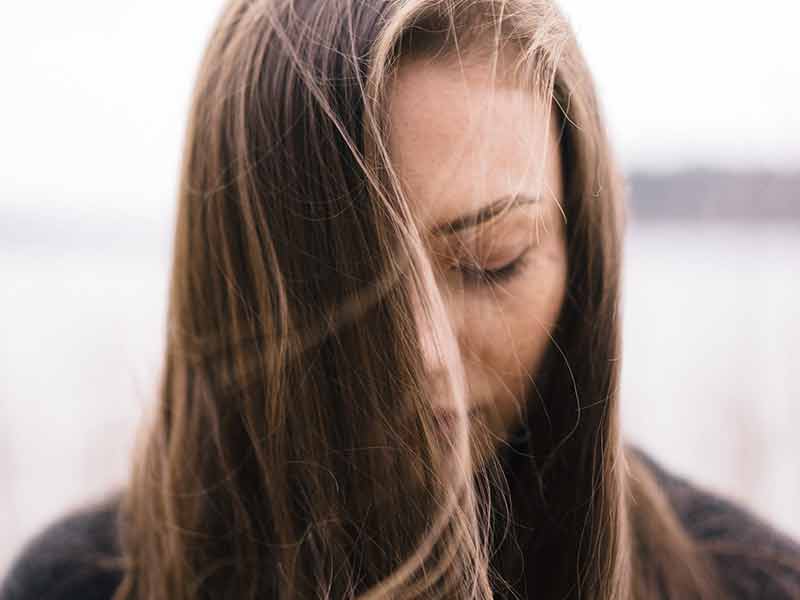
(462,148)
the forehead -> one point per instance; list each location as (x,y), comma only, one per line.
(460,138)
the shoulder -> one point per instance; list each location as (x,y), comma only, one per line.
(76,556)
(753,558)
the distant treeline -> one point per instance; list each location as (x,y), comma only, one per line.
(691,195)
(715,195)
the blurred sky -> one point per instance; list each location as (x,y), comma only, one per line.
(92,114)
(95,93)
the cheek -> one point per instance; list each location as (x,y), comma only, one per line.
(508,332)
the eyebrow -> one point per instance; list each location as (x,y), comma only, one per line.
(486,213)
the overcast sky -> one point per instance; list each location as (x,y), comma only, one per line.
(95,92)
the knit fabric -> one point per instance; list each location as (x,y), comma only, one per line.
(65,561)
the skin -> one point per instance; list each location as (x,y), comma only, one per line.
(459,144)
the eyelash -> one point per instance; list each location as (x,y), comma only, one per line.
(475,276)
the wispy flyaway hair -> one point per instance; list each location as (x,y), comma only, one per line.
(292,453)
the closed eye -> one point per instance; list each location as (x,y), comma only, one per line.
(474,275)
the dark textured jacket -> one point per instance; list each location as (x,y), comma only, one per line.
(64,561)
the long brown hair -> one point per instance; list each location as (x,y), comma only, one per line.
(292,453)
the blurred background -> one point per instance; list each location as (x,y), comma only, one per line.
(702,104)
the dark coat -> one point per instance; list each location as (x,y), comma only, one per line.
(61,562)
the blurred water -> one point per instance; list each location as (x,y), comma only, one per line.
(710,359)
(712,327)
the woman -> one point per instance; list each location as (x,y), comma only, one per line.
(392,361)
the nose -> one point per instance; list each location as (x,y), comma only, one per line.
(437,331)
(432,334)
